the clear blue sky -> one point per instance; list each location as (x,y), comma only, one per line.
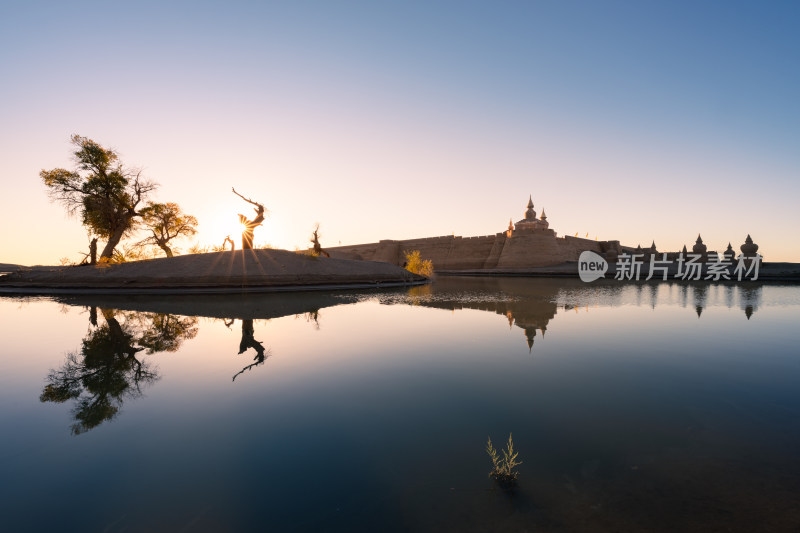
(635,121)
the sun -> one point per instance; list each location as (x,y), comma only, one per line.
(222,223)
(225,224)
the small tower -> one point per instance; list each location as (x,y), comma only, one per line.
(543,220)
(530,214)
(729,254)
(530,335)
(749,248)
(699,247)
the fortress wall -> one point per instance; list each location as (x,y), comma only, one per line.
(534,250)
(496,251)
(531,250)
(357,251)
(573,246)
(448,252)
(388,252)
(468,253)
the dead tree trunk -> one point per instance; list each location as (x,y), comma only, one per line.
(93,251)
(318,251)
(250,225)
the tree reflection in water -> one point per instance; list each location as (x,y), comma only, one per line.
(107,371)
(249,341)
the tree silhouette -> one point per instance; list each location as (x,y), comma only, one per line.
(160,332)
(108,370)
(99,379)
(315,241)
(250,225)
(249,341)
(101,189)
(166,222)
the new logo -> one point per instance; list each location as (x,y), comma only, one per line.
(591,266)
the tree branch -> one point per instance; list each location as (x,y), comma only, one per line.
(248,200)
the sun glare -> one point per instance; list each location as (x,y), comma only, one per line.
(224,224)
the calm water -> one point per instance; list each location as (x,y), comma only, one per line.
(661,407)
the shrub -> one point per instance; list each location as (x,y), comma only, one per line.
(132,253)
(503,467)
(196,248)
(415,264)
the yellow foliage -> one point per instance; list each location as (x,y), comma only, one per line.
(415,264)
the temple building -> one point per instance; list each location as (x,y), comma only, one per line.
(530,223)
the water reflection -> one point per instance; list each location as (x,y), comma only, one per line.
(531,304)
(626,420)
(249,341)
(107,369)
(526,303)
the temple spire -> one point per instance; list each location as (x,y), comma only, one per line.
(530,214)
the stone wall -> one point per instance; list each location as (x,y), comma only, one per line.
(520,250)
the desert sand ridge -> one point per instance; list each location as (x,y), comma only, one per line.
(239,270)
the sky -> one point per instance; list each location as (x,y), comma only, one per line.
(638,121)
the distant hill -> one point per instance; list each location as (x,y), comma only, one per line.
(8,267)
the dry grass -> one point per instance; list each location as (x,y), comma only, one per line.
(503,467)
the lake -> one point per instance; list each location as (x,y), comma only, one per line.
(634,407)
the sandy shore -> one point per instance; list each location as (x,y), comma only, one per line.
(242,270)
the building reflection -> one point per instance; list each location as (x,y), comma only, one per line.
(745,296)
(532,303)
(529,304)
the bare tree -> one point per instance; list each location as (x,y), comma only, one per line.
(315,241)
(250,225)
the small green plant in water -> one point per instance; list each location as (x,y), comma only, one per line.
(415,264)
(503,467)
